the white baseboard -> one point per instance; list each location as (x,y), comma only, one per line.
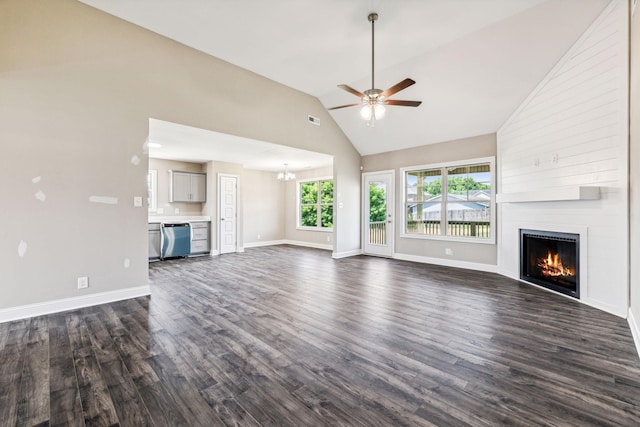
(289,242)
(264,243)
(635,331)
(489,268)
(39,309)
(338,255)
(308,244)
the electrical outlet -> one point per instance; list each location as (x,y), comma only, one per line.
(137,202)
(258,237)
(83,282)
(176,211)
(328,238)
(448,251)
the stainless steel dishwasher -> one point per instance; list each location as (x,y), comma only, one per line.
(176,240)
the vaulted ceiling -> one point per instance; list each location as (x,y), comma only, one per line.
(474,61)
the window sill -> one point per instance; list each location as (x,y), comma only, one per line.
(323,230)
(488,241)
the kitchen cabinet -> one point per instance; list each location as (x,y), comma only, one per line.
(200,238)
(154,241)
(187,187)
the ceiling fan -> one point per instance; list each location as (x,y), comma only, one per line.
(373,100)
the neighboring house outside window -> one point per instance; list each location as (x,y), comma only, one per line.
(315,204)
(453,201)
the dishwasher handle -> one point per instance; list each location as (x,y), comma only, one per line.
(176,225)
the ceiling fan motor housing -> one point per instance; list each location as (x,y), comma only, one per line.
(372,96)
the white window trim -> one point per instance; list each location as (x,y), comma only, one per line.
(153,173)
(492,222)
(317,228)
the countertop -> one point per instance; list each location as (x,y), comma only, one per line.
(179,218)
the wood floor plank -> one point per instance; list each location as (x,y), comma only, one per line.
(194,408)
(97,404)
(12,359)
(227,408)
(33,394)
(64,394)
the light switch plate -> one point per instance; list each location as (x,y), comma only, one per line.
(137,202)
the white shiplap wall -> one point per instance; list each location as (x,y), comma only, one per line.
(573,131)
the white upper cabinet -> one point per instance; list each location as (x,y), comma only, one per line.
(187,187)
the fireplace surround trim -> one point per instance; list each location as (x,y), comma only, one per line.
(559,285)
(582,262)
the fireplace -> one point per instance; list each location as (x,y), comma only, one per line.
(551,260)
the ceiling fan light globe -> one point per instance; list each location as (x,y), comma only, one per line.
(379,111)
(366,112)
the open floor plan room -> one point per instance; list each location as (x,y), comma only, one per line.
(284,335)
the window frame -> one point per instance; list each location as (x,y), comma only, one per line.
(319,205)
(491,240)
(152,186)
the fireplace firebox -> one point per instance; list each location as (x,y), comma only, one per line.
(551,260)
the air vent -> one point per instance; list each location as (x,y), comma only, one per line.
(314,120)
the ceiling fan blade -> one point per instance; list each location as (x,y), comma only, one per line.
(402,103)
(343,106)
(398,87)
(351,90)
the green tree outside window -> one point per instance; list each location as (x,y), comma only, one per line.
(316,204)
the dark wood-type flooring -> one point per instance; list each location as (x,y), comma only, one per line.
(285,336)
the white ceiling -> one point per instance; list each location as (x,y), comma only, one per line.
(474,61)
(186,143)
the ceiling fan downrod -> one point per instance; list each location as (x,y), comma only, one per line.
(373,17)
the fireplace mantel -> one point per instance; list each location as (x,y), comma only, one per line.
(554,195)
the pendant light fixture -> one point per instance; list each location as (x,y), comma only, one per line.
(286,175)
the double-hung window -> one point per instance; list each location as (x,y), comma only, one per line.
(453,201)
(315,204)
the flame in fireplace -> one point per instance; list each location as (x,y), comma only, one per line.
(552,266)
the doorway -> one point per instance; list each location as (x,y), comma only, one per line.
(228,213)
(378,213)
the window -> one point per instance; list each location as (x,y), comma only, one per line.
(452,201)
(315,204)
(152,190)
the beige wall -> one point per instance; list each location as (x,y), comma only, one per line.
(163,167)
(78,88)
(634,168)
(264,206)
(462,149)
(324,238)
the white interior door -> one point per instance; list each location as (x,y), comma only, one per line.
(228,202)
(378,213)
